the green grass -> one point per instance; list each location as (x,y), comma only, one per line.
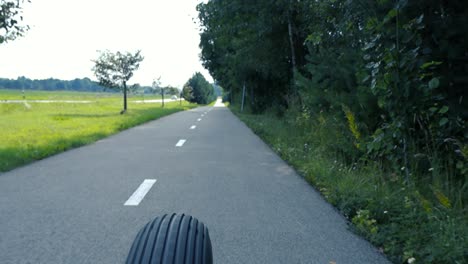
(397,218)
(37,130)
(11,94)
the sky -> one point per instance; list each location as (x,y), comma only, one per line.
(65,35)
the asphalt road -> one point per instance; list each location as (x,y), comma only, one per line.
(70,208)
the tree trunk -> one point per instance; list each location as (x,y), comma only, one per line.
(252,101)
(293,53)
(125,98)
(231,96)
(243,96)
(291,40)
(291,43)
(162,93)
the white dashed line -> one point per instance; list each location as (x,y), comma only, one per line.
(180,143)
(199,119)
(140,193)
(193,127)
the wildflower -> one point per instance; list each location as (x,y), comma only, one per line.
(402,168)
(385,212)
(411,260)
(431,169)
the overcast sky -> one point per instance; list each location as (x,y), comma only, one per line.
(66,34)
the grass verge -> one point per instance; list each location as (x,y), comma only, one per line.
(34,131)
(404,224)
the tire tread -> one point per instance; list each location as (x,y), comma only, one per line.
(172,239)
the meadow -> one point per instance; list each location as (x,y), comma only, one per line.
(31,131)
(10,94)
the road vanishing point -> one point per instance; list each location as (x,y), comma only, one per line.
(86,205)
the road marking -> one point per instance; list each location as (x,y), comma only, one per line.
(140,193)
(199,119)
(180,143)
(202,115)
(193,127)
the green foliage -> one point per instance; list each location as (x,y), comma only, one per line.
(364,224)
(399,67)
(247,42)
(10,20)
(380,85)
(198,90)
(398,219)
(38,130)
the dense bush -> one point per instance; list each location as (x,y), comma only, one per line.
(401,221)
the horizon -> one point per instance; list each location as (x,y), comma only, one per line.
(78,78)
(61,44)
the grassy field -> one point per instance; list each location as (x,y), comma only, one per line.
(33,131)
(6,94)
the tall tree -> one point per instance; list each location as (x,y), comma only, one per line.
(257,43)
(113,70)
(10,20)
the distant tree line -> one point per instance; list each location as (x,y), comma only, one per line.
(168,90)
(78,85)
(51,84)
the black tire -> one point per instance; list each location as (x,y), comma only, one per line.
(172,239)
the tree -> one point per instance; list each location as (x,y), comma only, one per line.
(202,91)
(162,95)
(157,88)
(113,70)
(187,93)
(10,17)
(258,43)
